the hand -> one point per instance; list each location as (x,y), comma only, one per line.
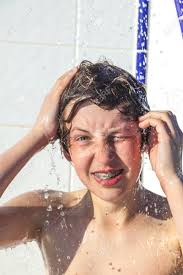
(164,144)
(47,122)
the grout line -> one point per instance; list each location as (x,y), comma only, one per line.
(77,47)
(76,60)
(57,44)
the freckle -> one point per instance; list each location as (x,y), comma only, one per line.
(92,231)
(113,268)
(87,252)
(110,263)
(119,270)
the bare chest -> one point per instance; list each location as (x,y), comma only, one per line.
(72,249)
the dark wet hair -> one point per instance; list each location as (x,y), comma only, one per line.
(105,85)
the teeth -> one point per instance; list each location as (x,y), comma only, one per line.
(107,175)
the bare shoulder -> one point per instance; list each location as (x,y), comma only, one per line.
(157,213)
(28,199)
(159,225)
(57,198)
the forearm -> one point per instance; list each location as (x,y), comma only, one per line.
(174,193)
(13,160)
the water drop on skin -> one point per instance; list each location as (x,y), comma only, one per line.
(49,208)
(60,206)
(62,213)
(46,222)
(46,195)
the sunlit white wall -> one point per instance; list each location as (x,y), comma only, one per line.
(165,61)
(39,40)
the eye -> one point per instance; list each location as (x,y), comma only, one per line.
(82,138)
(118,138)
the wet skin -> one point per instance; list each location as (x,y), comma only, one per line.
(73,241)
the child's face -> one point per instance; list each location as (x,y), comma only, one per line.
(102,139)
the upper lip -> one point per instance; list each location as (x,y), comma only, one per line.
(107,171)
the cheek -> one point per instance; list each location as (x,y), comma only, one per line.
(130,152)
(80,158)
(128,148)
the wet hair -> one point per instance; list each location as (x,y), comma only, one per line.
(105,85)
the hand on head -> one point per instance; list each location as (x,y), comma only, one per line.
(47,121)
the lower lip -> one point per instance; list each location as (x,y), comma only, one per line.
(109,182)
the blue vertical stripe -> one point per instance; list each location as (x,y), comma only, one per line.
(142,40)
(179,8)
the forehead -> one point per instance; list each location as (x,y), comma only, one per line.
(92,116)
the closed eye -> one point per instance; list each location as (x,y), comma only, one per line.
(119,138)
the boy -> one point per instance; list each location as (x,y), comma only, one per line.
(114,225)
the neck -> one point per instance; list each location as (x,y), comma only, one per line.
(107,213)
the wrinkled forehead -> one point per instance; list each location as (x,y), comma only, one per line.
(94,118)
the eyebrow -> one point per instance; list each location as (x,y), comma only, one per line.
(112,131)
(79,129)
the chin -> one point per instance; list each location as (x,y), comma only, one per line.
(109,194)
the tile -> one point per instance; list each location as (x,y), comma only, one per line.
(27,74)
(107,23)
(46,169)
(76,183)
(24,259)
(122,58)
(41,21)
(150,181)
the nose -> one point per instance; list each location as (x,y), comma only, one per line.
(104,153)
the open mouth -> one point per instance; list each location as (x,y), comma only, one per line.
(109,178)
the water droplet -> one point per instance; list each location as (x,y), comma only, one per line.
(68,257)
(49,208)
(60,206)
(46,195)
(46,222)
(62,213)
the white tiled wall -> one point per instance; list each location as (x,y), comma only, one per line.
(39,40)
(164,82)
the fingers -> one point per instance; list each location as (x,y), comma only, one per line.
(160,127)
(158,119)
(63,81)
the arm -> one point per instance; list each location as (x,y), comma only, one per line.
(44,130)
(22,218)
(165,153)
